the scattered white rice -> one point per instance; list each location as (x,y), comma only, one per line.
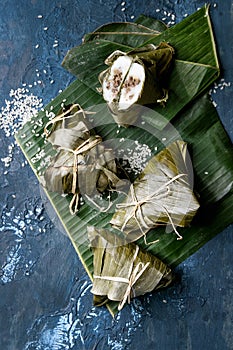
(137,156)
(19,109)
(220,86)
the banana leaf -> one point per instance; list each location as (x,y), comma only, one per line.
(152,23)
(162,194)
(193,71)
(123,271)
(197,124)
(212,158)
(132,34)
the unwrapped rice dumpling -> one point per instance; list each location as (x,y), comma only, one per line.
(123,271)
(136,78)
(161,195)
(82,164)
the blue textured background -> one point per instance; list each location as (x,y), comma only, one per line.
(45,299)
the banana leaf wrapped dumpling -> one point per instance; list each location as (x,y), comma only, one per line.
(136,78)
(82,164)
(161,195)
(123,271)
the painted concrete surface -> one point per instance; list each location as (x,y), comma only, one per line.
(45,299)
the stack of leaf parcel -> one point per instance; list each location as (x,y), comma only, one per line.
(81,161)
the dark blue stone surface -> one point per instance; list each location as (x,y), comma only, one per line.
(45,299)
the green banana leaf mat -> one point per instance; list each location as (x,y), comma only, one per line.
(189,115)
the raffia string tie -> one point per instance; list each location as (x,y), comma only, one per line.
(137,205)
(133,275)
(84,147)
(65,115)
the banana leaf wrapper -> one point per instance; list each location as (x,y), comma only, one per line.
(137,78)
(161,195)
(123,271)
(82,165)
